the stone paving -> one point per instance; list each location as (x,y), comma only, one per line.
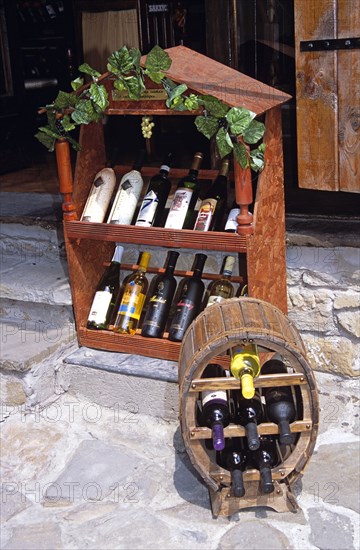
(78,475)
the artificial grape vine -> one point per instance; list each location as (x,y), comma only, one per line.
(233,128)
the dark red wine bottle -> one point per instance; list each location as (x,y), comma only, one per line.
(163,289)
(249,413)
(233,458)
(189,302)
(215,408)
(264,459)
(280,406)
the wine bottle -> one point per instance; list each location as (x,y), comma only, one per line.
(280,406)
(222,289)
(188,305)
(182,207)
(99,197)
(106,293)
(132,301)
(128,194)
(163,290)
(264,459)
(154,201)
(233,458)
(245,366)
(215,408)
(249,413)
(212,208)
(231,222)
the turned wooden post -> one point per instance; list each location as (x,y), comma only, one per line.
(63,161)
(244,197)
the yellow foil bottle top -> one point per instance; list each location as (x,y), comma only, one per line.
(247,386)
(144,261)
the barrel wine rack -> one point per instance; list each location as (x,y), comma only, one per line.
(241,321)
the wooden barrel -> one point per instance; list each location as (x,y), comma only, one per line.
(241,321)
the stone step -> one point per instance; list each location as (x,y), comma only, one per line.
(134,383)
(35,279)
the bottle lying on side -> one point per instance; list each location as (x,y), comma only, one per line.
(215,408)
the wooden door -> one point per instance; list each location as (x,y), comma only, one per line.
(328,95)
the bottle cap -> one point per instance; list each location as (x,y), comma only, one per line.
(218,437)
(229,264)
(224,167)
(247,386)
(145,258)
(197,161)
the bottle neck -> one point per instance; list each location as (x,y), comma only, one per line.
(118,252)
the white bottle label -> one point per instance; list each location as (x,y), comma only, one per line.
(100,195)
(126,198)
(207,396)
(214,300)
(179,208)
(147,210)
(100,307)
(231,223)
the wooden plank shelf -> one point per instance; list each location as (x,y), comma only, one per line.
(230,383)
(156,236)
(235,430)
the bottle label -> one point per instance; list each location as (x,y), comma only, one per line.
(179,208)
(209,395)
(183,315)
(205,215)
(126,198)
(231,223)
(147,210)
(132,301)
(97,203)
(99,307)
(214,300)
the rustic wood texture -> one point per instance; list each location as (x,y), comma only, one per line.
(210,336)
(348,64)
(266,248)
(64,169)
(316,97)
(206,76)
(328,97)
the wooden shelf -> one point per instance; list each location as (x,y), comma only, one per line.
(157,236)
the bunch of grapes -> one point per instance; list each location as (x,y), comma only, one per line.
(147,125)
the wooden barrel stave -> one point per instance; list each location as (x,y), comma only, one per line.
(213,333)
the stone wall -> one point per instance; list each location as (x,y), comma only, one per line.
(323,301)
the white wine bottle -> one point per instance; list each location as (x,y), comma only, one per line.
(182,209)
(245,366)
(99,197)
(222,288)
(132,301)
(128,194)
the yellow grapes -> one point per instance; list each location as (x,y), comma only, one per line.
(147,125)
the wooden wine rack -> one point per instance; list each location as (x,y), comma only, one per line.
(240,321)
(89,245)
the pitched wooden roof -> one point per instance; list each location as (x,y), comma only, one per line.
(207,76)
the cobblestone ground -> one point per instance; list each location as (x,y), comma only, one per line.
(76,475)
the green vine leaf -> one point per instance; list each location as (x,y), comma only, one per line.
(254,132)
(239,119)
(257,159)
(241,154)
(46,140)
(64,100)
(86,69)
(67,123)
(224,143)
(207,125)
(175,92)
(134,87)
(213,106)
(157,60)
(120,62)
(119,84)
(135,56)
(77,83)
(84,112)
(99,96)
(154,76)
